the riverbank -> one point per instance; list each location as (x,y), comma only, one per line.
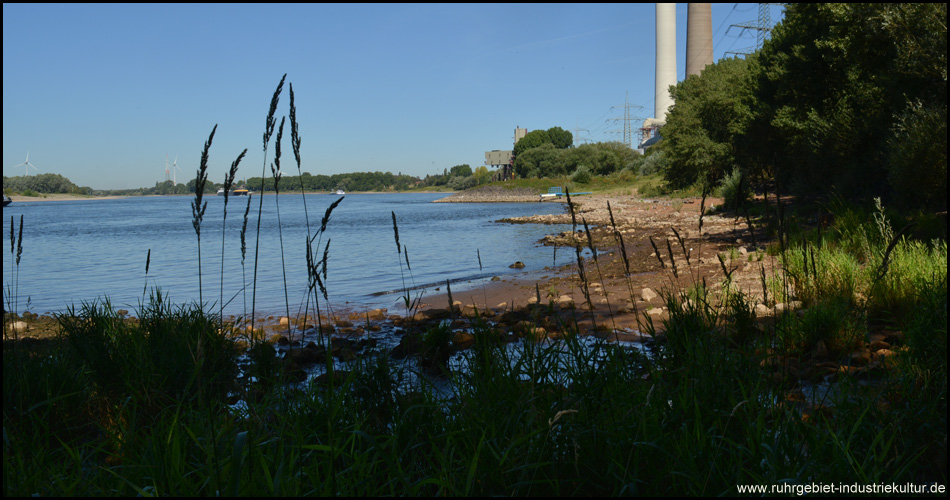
(620,292)
(61,197)
(491,194)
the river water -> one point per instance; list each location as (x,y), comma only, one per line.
(79,251)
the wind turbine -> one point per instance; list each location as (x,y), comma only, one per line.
(28,164)
(175,168)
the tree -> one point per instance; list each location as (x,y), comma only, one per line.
(460,171)
(835,89)
(542,161)
(702,125)
(531,140)
(561,138)
(482,175)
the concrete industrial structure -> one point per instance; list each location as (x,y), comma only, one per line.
(699,48)
(699,53)
(505,158)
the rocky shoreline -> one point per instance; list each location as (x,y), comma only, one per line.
(492,194)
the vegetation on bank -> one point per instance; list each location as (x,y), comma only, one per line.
(160,405)
(850,388)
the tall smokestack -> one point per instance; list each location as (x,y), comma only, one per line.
(665,58)
(699,48)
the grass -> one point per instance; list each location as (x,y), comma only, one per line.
(179,403)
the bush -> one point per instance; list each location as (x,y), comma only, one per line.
(462,183)
(735,189)
(653,163)
(581,175)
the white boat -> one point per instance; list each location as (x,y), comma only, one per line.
(221,192)
(340,191)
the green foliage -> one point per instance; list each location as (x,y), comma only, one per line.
(602,158)
(542,161)
(562,139)
(558,137)
(581,175)
(836,89)
(735,189)
(918,157)
(462,183)
(531,140)
(43,184)
(460,171)
(702,126)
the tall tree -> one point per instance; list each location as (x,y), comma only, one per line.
(702,124)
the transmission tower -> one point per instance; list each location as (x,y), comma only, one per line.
(574,131)
(762,27)
(627,128)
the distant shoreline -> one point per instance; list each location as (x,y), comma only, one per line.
(74,197)
(63,197)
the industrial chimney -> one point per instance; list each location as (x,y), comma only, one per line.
(699,48)
(665,58)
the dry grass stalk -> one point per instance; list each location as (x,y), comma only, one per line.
(657,253)
(268,131)
(198,207)
(669,249)
(682,244)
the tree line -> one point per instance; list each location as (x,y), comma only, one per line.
(43,183)
(843,100)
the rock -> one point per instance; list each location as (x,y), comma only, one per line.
(517,265)
(122,312)
(344,324)
(495,278)
(648,295)
(376,314)
(656,311)
(761,311)
(860,357)
(463,340)
(284,321)
(878,345)
(18,326)
(565,302)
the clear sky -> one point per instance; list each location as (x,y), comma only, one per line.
(101,93)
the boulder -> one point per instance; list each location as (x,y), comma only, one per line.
(517,265)
(647,295)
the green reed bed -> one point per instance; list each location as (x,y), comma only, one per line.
(156,406)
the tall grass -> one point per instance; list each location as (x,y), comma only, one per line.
(155,406)
(197,206)
(268,131)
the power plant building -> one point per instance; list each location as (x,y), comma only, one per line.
(505,158)
(699,53)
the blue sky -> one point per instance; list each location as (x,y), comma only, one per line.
(101,93)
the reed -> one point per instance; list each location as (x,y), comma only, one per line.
(198,206)
(276,173)
(228,182)
(268,131)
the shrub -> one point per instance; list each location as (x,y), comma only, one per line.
(581,175)
(735,189)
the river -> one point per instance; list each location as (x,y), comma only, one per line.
(79,251)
